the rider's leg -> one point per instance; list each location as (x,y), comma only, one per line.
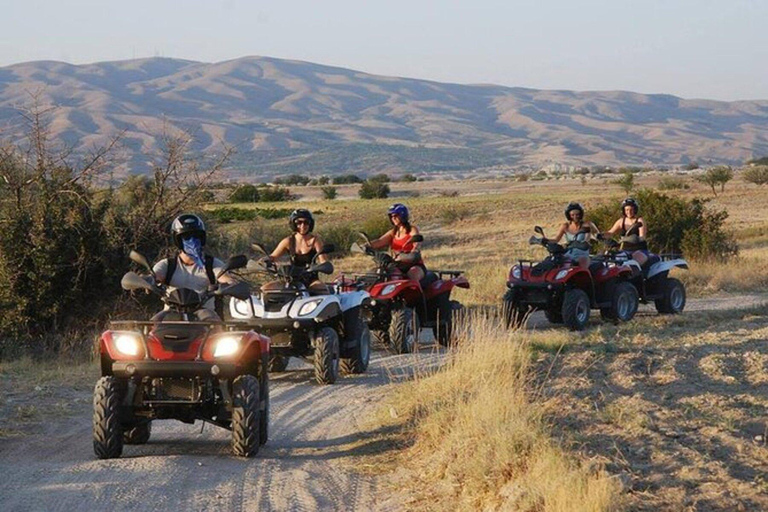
(416,273)
(640,257)
(318,288)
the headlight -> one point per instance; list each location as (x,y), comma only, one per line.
(309,307)
(127,344)
(516,272)
(389,289)
(562,274)
(226,346)
(242,307)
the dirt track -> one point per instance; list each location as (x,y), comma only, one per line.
(313,429)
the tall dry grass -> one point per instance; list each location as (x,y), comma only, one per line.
(479,441)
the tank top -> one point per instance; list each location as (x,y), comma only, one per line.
(402,244)
(301,260)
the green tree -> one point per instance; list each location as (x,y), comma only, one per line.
(245,194)
(757,174)
(329,192)
(373,190)
(716,176)
(626,182)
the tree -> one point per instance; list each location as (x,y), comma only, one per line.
(757,175)
(408,178)
(245,194)
(329,192)
(717,176)
(373,190)
(626,182)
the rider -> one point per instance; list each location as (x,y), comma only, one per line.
(303,246)
(577,234)
(191,268)
(632,224)
(398,239)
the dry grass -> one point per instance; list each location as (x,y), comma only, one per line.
(479,442)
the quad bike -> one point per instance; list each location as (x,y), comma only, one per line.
(566,291)
(179,367)
(400,307)
(329,328)
(651,280)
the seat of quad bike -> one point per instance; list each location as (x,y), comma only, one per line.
(318,288)
(272,286)
(652,260)
(429,278)
(595,266)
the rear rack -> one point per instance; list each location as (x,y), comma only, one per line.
(146,325)
(452,273)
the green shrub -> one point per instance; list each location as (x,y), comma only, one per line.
(373,190)
(675,225)
(379,178)
(293,179)
(274,213)
(408,178)
(346,179)
(274,194)
(626,182)
(228,214)
(757,175)
(455,213)
(329,192)
(376,226)
(245,194)
(672,183)
(340,235)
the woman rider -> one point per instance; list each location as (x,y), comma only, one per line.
(398,240)
(632,224)
(303,246)
(577,234)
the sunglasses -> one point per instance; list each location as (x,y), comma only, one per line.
(302,221)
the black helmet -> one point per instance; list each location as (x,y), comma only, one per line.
(571,207)
(185,225)
(301,213)
(630,202)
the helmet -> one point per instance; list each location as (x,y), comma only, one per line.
(301,213)
(185,225)
(400,210)
(571,207)
(630,202)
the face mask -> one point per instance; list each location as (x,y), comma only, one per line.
(193,247)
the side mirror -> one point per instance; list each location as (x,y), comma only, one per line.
(417,238)
(237,290)
(233,263)
(534,241)
(356,248)
(132,281)
(258,248)
(364,237)
(539,230)
(141,260)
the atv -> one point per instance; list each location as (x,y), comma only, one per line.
(179,367)
(567,292)
(327,328)
(652,280)
(400,307)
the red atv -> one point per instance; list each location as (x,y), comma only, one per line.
(565,291)
(181,368)
(399,307)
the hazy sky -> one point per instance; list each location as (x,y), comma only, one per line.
(692,48)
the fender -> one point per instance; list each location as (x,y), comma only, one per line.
(108,348)
(326,302)
(665,266)
(461,282)
(439,287)
(241,309)
(349,300)
(394,288)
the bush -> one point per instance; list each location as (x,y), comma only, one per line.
(293,179)
(228,214)
(757,175)
(626,182)
(379,178)
(373,190)
(329,192)
(274,194)
(340,235)
(245,194)
(346,179)
(274,213)
(455,213)
(691,167)
(408,178)
(676,225)
(671,183)
(376,226)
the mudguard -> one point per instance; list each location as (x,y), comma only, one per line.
(665,266)
(349,300)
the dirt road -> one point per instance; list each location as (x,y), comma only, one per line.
(314,429)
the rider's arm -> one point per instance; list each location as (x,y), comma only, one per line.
(282,248)
(383,241)
(322,258)
(560,233)
(643,227)
(160,269)
(218,265)
(615,229)
(414,232)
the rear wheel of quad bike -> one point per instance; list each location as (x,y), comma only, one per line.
(245,416)
(514,316)
(672,300)
(361,354)
(624,303)
(264,413)
(575,309)
(326,356)
(554,315)
(404,330)
(444,327)
(138,434)
(381,338)
(278,364)
(107,431)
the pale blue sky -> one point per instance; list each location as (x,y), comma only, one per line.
(692,48)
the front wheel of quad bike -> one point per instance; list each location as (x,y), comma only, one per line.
(138,434)
(514,316)
(107,431)
(575,309)
(278,364)
(404,330)
(361,354)
(245,416)
(672,301)
(444,328)
(624,303)
(326,356)
(381,338)
(264,412)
